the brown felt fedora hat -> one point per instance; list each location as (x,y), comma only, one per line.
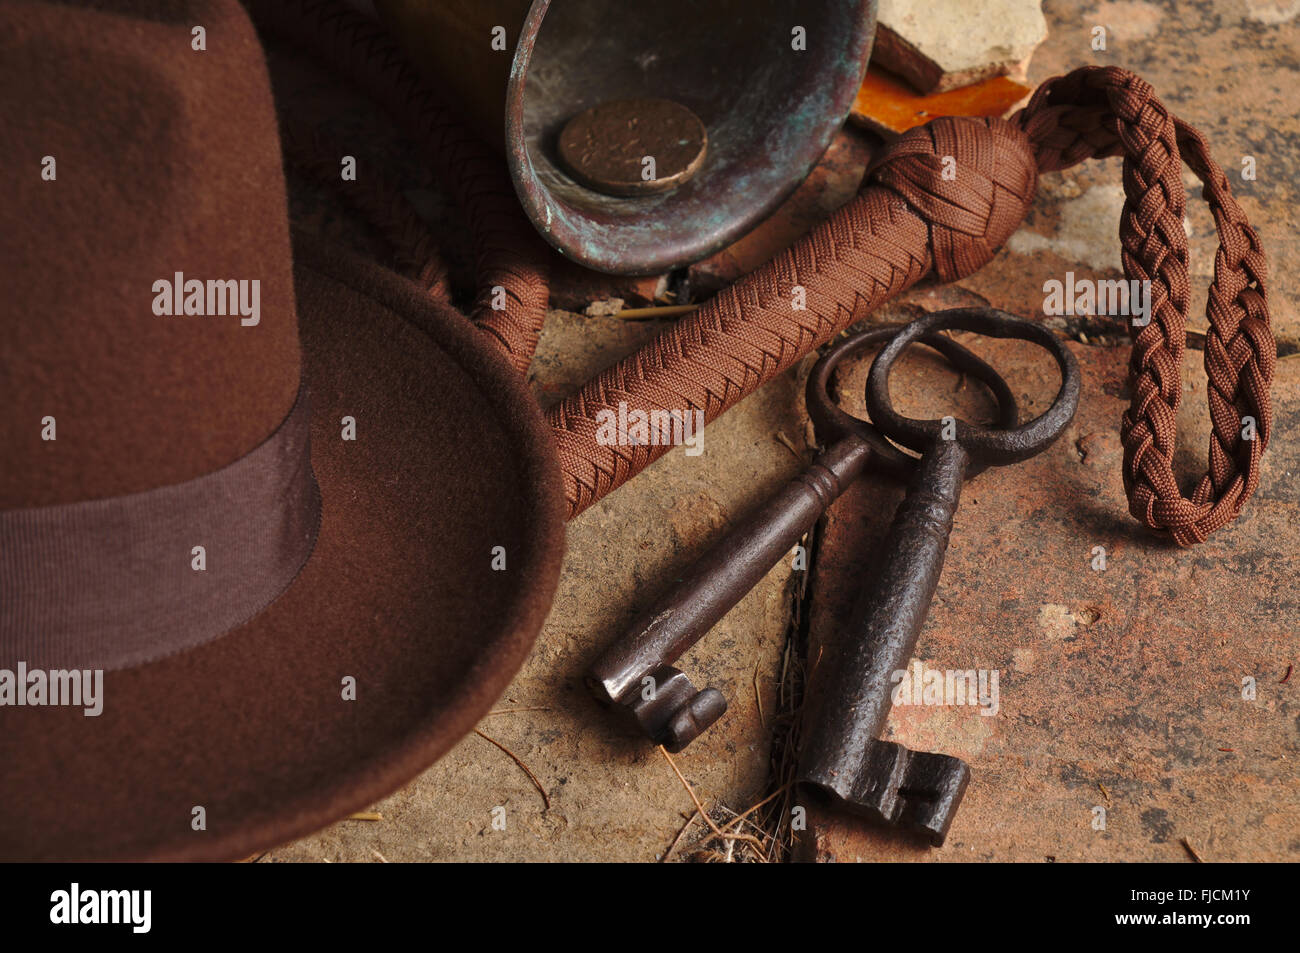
(307,529)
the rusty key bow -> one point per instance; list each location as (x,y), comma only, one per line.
(850,697)
(636,672)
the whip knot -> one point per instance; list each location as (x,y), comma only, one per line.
(972,180)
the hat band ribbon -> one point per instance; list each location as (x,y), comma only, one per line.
(114,583)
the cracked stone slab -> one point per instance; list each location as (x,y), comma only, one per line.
(938,45)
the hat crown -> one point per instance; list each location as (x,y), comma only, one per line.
(152,336)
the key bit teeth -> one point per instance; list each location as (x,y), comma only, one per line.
(932,790)
(670,710)
(893,786)
(694,718)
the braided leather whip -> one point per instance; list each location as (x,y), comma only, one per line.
(509,255)
(907,219)
(376,200)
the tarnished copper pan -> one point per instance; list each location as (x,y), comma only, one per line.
(770,96)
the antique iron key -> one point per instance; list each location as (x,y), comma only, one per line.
(849,696)
(636,672)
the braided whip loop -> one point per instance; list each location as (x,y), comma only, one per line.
(1098,111)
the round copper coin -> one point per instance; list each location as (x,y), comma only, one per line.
(634,146)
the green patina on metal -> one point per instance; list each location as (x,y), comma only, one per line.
(771,85)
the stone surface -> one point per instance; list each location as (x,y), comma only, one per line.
(938,45)
(1127,710)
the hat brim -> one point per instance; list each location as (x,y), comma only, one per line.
(451,459)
